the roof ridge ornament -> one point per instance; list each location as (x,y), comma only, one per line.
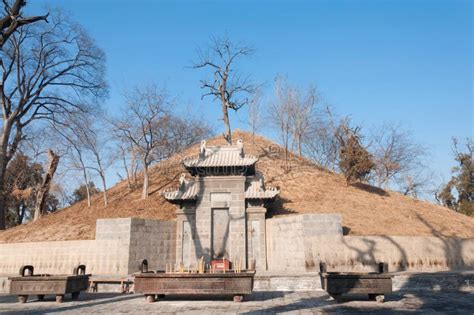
(182,182)
(240,146)
(202,150)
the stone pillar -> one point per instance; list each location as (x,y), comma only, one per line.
(185,235)
(256,243)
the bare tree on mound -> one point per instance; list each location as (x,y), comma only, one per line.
(48,72)
(255,118)
(226,85)
(89,147)
(150,129)
(293,114)
(320,144)
(13,19)
(143,125)
(396,155)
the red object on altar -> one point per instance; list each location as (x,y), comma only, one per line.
(220,264)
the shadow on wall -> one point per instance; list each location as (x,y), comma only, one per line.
(277,207)
(427,285)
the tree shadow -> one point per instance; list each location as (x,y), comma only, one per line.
(277,207)
(87,300)
(371,189)
(426,287)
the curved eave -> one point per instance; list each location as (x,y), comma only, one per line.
(262,195)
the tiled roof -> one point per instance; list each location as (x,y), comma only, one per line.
(232,155)
(189,189)
(256,190)
(189,192)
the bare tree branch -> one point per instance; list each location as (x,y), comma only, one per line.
(228,86)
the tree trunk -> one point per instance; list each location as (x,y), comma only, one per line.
(7,128)
(145,180)
(227,132)
(102,176)
(300,150)
(86,180)
(21,213)
(43,190)
(129,184)
(3,202)
(104,187)
(88,192)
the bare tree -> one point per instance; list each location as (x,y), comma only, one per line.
(13,19)
(280,113)
(148,130)
(302,116)
(293,114)
(48,71)
(320,143)
(94,144)
(255,116)
(71,135)
(226,85)
(97,148)
(128,159)
(143,125)
(395,155)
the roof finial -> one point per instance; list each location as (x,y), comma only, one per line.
(202,149)
(240,145)
(182,182)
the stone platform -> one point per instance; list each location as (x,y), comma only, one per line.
(275,302)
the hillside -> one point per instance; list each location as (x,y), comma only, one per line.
(305,189)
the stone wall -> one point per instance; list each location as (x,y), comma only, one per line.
(152,240)
(99,256)
(410,253)
(118,249)
(298,243)
(287,240)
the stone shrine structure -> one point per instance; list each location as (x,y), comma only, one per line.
(221,209)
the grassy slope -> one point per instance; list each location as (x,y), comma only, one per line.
(305,189)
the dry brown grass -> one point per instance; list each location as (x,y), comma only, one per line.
(306,188)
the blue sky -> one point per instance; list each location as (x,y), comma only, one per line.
(409,62)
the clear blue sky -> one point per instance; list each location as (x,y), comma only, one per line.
(401,61)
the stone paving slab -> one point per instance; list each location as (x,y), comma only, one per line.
(313,302)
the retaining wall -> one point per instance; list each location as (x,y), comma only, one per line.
(298,243)
(118,249)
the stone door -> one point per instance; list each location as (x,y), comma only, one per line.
(220,233)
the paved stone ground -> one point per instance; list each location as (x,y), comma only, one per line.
(258,303)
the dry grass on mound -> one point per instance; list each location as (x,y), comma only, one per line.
(306,188)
